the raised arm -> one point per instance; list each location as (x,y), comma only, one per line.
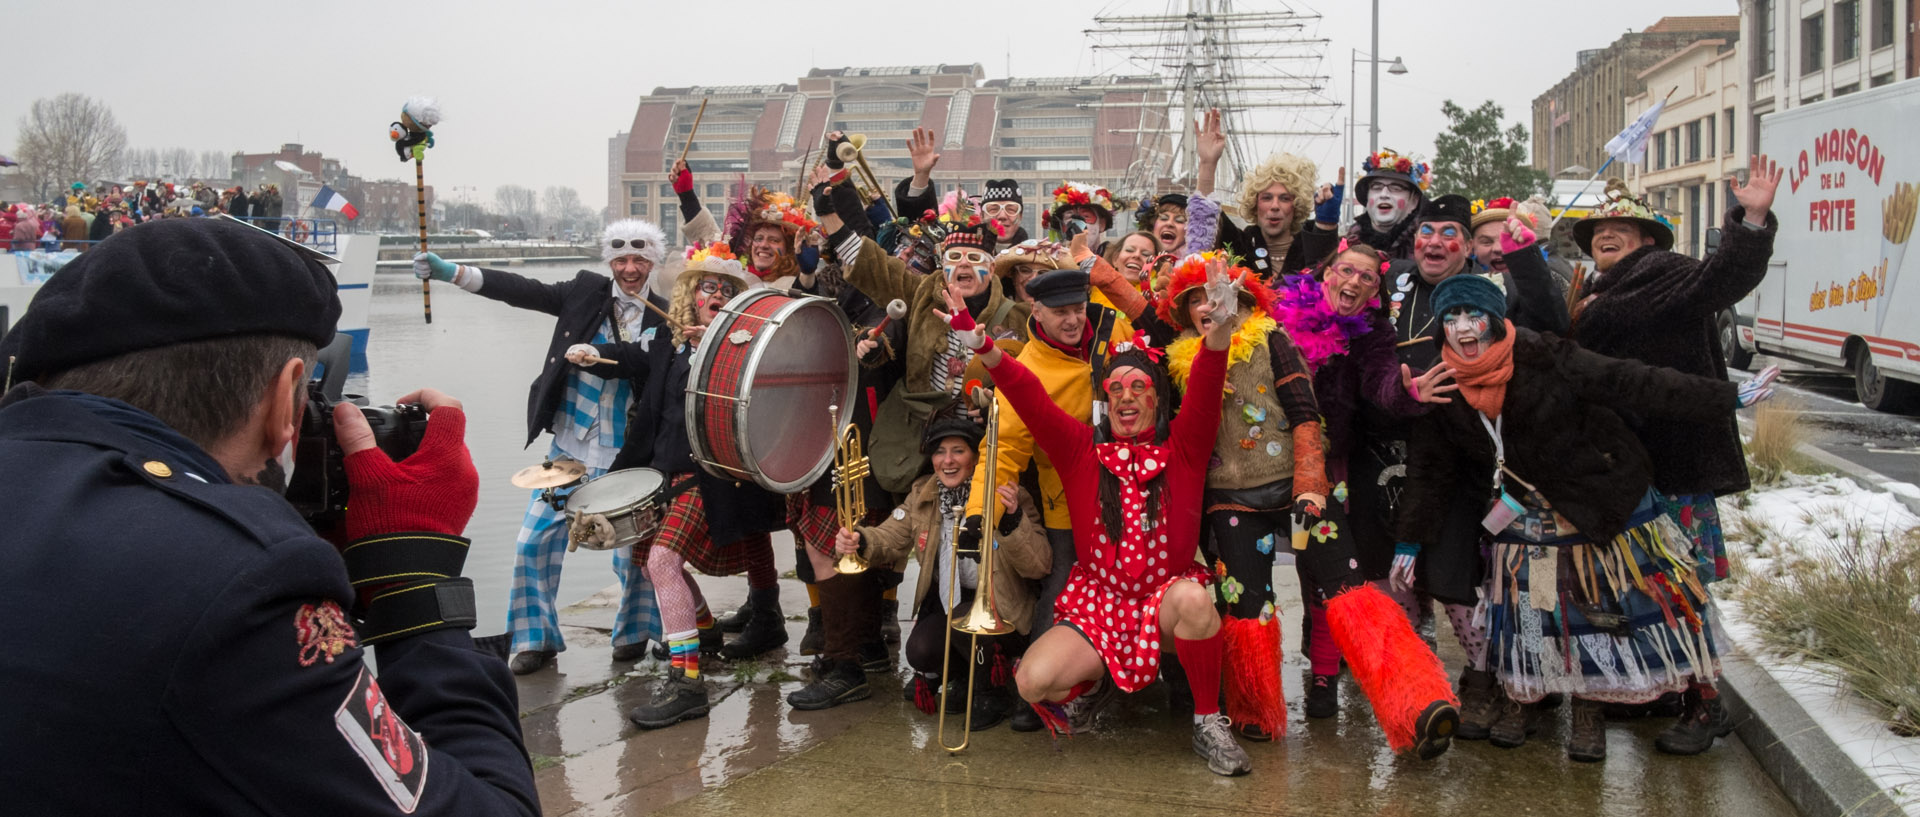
(1536,301)
(1630,385)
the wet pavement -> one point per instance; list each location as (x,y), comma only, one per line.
(754,755)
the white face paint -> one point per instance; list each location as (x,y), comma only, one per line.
(1388,203)
(1467,329)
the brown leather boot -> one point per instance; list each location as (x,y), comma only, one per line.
(1587,740)
(1479,704)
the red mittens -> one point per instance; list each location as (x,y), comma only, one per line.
(433,491)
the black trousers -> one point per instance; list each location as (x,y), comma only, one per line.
(926,644)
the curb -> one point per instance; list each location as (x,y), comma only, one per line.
(1817,777)
(1792,749)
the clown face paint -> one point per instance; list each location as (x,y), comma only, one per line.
(1388,202)
(963,266)
(1170,227)
(1467,330)
(766,245)
(714,291)
(1350,283)
(1132,402)
(1440,248)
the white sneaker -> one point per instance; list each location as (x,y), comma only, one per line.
(1213,740)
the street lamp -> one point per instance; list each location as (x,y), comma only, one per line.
(1373,120)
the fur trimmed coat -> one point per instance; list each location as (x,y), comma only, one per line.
(1658,307)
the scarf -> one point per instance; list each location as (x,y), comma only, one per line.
(968,570)
(1134,464)
(1249,338)
(1483,380)
(1081,352)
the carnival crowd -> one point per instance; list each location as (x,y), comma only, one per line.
(81,217)
(1418,410)
(1096,444)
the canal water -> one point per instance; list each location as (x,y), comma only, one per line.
(486,354)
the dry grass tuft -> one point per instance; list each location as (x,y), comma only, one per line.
(1854,608)
(1778,431)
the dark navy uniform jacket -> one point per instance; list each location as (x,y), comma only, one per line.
(174,644)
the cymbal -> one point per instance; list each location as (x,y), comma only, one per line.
(550,474)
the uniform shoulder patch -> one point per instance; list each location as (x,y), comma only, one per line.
(392,750)
(323,632)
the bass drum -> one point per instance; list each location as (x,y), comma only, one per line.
(759,388)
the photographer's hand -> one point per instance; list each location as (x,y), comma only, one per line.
(433,491)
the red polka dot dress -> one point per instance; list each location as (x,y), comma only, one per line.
(1114,590)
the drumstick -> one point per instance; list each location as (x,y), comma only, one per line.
(662,313)
(896,311)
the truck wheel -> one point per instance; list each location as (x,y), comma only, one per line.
(1737,356)
(1876,390)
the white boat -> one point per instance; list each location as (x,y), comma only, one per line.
(22,273)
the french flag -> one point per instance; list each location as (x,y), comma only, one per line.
(329,199)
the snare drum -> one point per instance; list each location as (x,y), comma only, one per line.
(628,498)
(759,388)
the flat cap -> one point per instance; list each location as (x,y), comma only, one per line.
(172,281)
(1061,287)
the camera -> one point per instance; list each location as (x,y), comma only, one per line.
(1074,226)
(318,489)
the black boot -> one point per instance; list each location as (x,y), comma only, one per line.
(813,640)
(842,682)
(765,631)
(991,705)
(711,640)
(1478,704)
(890,621)
(737,620)
(531,661)
(1323,696)
(876,657)
(1703,720)
(679,699)
(630,652)
(1024,719)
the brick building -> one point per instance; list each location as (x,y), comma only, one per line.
(1573,120)
(1039,131)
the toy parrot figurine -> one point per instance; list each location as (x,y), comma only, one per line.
(414,132)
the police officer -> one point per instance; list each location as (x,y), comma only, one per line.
(178,639)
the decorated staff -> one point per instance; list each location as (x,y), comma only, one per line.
(412,135)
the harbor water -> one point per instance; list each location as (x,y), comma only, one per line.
(486,354)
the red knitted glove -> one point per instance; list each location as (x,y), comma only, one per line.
(433,491)
(683,182)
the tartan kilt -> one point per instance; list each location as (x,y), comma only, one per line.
(683,530)
(812,525)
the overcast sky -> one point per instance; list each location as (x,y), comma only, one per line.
(532,91)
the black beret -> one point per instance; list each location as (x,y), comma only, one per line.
(171,281)
(1061,287)
(1449,207)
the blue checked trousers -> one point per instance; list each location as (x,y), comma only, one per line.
(533,613)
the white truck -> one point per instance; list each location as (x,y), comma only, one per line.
(1835,293)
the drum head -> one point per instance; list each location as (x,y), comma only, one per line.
(615,491)
(789,430)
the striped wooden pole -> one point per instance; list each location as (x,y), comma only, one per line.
(420,198)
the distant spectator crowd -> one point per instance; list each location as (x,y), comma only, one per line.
(81,216)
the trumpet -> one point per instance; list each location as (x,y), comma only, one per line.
(982,617)
(852,151)
(849,496)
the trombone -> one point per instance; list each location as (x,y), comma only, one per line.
(852,151)
(981,618)
(849,496)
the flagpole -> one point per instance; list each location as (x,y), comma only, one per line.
(1628,149)
(1583,190)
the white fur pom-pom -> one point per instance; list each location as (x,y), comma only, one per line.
(424,110)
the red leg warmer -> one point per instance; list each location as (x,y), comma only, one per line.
(1397,670)
(1253,674)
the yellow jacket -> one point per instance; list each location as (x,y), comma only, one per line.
(1070,383)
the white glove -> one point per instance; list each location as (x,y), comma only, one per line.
(578,353)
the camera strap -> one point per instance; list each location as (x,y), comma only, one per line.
(417,607)
(389,558)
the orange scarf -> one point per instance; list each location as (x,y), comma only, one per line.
(1483,380)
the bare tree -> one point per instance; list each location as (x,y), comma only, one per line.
(516,202)
(563,208)
(214,164)
(68,138)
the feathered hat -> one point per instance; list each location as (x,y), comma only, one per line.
(1190,276)
(634,237)
(1623,206)
(1390,166)
(718,259)
(763,206)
